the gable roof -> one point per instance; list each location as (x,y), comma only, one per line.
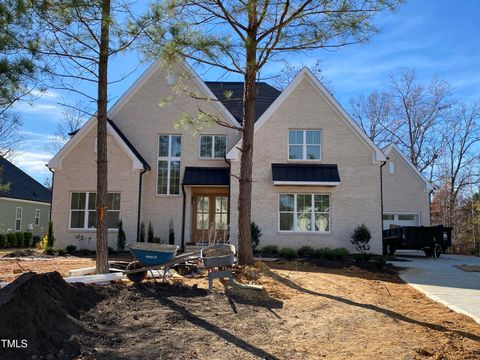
(138,162)
(150,71)
(427,185)
(266,95)
(377,154)
(21,185)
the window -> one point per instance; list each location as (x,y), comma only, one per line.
(304,213)
(203,212)
(18,218)
(37,217)
(168,174)
(391,167)
(304,145)
(388,217)
(213,146)
(406,217)
(83,210)
(221,208)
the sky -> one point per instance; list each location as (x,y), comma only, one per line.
(435,37)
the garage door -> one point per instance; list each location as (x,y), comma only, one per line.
(400,220)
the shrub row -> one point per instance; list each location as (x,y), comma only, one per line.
(18,239)
(305,252)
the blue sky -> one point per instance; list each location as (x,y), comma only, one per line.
(435,37)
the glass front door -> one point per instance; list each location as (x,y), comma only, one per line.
(210,218)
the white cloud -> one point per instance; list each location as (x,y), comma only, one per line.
(33,163)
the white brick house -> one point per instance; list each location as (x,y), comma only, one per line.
(316,174)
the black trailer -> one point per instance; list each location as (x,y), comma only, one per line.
(433,240)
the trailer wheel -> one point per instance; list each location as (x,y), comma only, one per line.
(428,252)
(391,249)
(138,276)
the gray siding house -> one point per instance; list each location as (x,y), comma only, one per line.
(316,175)
(24,204)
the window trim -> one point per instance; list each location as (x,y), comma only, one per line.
(212,157)
(295,214)
(36,220)
(86,210)
(304,145)
(169,159)
(396,213)
(18,218)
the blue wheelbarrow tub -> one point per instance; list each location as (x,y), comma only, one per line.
(151,254)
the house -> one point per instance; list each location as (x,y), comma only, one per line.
(406,192)
(316,175)
(24,202)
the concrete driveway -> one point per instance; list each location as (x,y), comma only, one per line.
(441,281)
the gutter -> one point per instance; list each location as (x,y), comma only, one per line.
(184,205)
(229,163)
(51,197)
(384,248)
(140,202)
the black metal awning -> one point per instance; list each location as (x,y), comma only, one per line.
(305,174)
(206,176)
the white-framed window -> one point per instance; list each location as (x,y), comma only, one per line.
(406,217)
(37,217)
(168,170)
(392,167)
(388,217)
(304,144)
(304,213)
(213,146)
(83,210)
(18,218)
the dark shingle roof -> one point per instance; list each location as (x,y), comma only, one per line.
(266,95)
(22,186)
(206,176)
(305,173)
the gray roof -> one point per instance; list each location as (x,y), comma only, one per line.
(21,185)
(305,173)
(206,176)
(266,95)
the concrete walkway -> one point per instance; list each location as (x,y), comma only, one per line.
(441,281)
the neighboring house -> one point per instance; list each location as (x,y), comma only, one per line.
(406,192)
(25,203)
(316,175)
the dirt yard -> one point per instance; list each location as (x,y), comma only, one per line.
(310,312)
(10,268)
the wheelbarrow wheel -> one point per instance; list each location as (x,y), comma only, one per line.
(136,277)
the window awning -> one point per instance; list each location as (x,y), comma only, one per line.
(206,176)
(305,174)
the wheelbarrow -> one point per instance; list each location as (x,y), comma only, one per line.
(153,256)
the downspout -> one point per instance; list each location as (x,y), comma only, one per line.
(51,197)
(229,196)
(140,202)
(384,248)
(182,245)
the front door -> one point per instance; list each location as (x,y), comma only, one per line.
(210,215)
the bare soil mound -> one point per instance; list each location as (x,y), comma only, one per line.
(43,309)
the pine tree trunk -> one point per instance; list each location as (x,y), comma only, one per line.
(245,253)
(102,168)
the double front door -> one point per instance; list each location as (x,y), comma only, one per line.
(209,215)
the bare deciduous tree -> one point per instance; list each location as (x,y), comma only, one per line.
(373,113)
(73,119)
(290,71)
(422,111)
(458,165)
